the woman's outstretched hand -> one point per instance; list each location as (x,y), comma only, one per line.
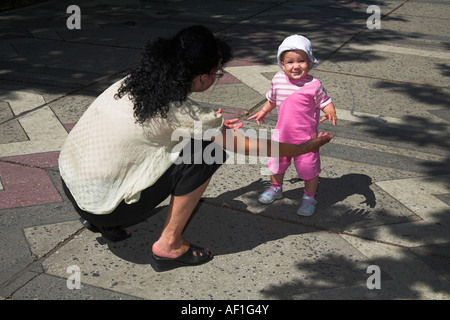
(231,123)
(323,138)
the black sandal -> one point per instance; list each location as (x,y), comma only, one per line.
(188,258)
(113,234)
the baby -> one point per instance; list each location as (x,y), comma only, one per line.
(299,98)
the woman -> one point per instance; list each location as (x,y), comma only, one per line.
(120,160)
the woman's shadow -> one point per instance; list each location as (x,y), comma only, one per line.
(228,223)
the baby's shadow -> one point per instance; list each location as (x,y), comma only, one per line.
(335,190)
(343,202)
(330,191)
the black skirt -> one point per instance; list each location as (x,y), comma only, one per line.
(197,162)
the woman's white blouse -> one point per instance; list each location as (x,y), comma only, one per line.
(109,157)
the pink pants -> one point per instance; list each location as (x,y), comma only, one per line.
(307,165)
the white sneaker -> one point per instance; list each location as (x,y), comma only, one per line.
(308,206)
(270,195)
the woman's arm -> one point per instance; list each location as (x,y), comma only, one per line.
(233,141)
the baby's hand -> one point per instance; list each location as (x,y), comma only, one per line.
(259,116)
(330,114)
(330,117)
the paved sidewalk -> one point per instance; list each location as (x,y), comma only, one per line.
(384,192)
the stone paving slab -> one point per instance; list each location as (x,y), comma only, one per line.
(250,268)
(384,193)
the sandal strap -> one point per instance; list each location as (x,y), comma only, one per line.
(271,192)
(311,202)
(189,258)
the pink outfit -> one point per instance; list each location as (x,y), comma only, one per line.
(298,103)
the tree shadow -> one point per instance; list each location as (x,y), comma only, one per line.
(432,96)
(255,39)
(417,133)
(336,277)
(415,130)
(330,271)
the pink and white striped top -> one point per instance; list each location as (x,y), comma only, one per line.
(282,87)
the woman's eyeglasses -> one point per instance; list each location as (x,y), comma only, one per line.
(219,73)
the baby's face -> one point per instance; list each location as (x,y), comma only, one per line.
(296,64)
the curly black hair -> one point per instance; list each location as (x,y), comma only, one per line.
(167,68)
